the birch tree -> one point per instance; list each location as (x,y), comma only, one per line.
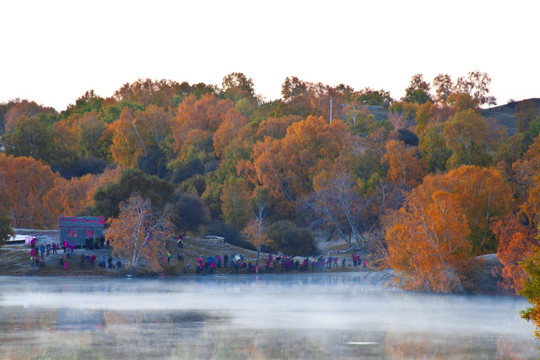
(139,234)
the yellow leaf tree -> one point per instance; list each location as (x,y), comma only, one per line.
(428,242)
(138,234)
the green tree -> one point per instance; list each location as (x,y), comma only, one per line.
(189,212)
(5,220)
(29,138)
(108,199)
(418,91)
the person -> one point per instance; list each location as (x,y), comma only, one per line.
(48,247)
(218,261)
(343,263)
(42,250)
(65,245)
(355,259)
(92,260)
(169,256)
(180,241)
(110,261)
(82,261)
(225,260)
(336,262)
(54,248)
(65,264)
(102,241)
(364,263)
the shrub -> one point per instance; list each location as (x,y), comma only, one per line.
(290,239)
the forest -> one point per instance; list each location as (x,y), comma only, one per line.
(423,184)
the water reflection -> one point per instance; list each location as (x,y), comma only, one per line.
(295,316)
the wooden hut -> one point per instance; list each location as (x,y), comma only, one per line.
(76,229)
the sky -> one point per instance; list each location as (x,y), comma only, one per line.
(54,51)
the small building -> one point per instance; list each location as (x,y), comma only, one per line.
(76,229)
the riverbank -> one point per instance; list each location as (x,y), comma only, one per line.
(15,260)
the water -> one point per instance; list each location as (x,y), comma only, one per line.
(303,316)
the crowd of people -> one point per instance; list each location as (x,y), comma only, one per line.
(277,265)
(39,253)
(208,265)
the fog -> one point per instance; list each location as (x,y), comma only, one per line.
(288,316)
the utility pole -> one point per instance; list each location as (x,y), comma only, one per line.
(331,103)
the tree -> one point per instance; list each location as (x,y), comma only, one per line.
(433,148)
(287,238)
(476,85)
(531,288)
(25,108)
(227,137)
(89,130)
(148,92)
(77,194)
(516,242)
(189,212)
(255,231)
(444,86)
(418,90)
(428,242)
(482,193)
(465,136)
(5,229)
(30,137)
(368,96)
(138,234)
(5,220)
(286,166)
(235,200)
(404,165)
(336,207)
(30,188)
(107,199)
(236,86)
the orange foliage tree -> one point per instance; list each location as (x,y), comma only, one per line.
(482,193)
(405,166)
(78,193)
(29,185)
(443,224)
(138,234)
(428,242)
(516,242)
(204,115)
(228,134)
(286,166)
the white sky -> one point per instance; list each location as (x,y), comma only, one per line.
(53,51)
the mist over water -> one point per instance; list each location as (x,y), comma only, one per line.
(288,316)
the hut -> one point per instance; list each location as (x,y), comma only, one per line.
(76,229)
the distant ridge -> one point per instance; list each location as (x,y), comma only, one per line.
(504,114)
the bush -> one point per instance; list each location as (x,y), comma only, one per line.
(231,235)
(290,239)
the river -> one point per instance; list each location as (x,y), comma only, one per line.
(296,316)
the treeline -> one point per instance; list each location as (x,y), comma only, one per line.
(424,189)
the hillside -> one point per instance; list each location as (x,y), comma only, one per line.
(504,114)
